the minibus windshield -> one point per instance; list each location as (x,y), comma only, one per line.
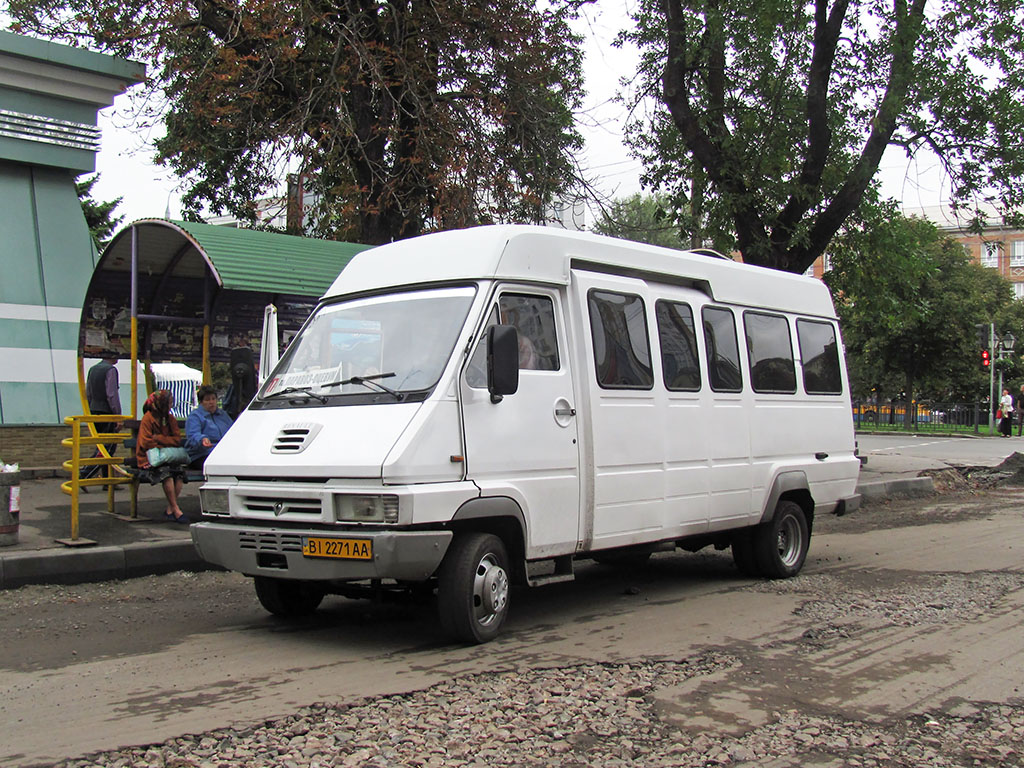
(387,345)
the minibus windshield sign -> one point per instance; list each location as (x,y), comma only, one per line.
(298,391)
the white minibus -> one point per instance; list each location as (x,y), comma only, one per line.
(476,409)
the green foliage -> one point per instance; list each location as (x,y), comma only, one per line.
(99,216)
(641,218)
(909,298)
(402,117)
(786,107)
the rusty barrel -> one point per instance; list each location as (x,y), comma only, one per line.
(10,507)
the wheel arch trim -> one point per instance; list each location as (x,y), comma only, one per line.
(785,482)
(493,508)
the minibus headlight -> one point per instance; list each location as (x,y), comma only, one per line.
(214,501)
(366,508)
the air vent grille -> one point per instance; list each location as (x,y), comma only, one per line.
(275,505)
(294,438)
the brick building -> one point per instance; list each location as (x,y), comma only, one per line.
(999,247)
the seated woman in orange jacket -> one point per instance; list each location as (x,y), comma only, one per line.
(159,428)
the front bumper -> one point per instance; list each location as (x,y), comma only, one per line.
(277,552)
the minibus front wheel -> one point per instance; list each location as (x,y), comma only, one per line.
(288,598)
(473,587)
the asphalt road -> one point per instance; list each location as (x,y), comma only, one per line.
(896,456)
(902,608)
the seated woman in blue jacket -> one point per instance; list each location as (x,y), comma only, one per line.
(205,427)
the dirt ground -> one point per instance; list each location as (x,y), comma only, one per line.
(908,613)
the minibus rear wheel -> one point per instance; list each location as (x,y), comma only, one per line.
(288,598)
(781,544)
(473,587)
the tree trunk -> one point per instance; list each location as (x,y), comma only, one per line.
(697,187)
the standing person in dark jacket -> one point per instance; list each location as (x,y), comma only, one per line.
(1020,411)
(101,392)
(205,427)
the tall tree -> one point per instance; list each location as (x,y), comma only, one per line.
(909,299)
(402,117)
(641,218)
(782,110)
(98,215)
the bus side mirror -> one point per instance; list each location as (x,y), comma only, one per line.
(502,361)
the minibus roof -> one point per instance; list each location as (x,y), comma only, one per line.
(546,255)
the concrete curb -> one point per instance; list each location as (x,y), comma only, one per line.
(902,488)
(77,566)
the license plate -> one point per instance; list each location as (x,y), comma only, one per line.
(345,549)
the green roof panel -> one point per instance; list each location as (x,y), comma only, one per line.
(250,260)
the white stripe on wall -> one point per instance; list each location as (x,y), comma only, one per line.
(37,366)
(40,312)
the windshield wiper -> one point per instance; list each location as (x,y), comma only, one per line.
(371,382)
(307,391)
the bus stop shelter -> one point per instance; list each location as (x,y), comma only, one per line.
(184,292)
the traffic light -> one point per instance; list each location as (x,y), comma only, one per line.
(983,335)
(985,359)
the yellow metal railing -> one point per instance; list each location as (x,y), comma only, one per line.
(112,476)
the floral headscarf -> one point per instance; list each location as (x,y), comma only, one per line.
(159,404)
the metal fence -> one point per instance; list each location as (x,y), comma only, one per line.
(922,417)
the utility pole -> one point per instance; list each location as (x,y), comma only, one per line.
(991,380)
(987,342)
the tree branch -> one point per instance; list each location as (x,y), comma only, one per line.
(909,22)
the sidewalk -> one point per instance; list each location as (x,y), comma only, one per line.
(152,545)
(123,549)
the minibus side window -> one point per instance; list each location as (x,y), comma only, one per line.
(622,350)
(722,350)
(770,353)
(820,354)
(678,338)
(534,321)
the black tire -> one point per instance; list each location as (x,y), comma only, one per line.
(780,545)
(473,588)
(284,597)
(743,553)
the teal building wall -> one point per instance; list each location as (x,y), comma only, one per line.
(50,96)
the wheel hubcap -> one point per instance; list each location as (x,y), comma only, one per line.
(790,541)
(490,590)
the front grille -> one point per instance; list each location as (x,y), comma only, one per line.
(294,438)
(275,505)
(275,541)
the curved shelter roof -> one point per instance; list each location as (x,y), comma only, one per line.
(199,290)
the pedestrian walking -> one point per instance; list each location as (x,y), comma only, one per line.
(1006,414)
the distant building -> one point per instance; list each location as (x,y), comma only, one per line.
(571,215)
(998,247)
